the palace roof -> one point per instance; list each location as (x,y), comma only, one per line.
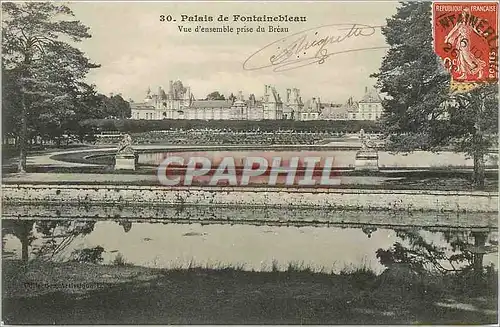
(371,96)
(211,104)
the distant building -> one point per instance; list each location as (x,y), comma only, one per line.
(179,103)
(293,105)
(272,106)
(333,111)
(369,108)
(311,110)
(144,111)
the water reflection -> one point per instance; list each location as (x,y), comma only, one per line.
(257,248)
(343,158)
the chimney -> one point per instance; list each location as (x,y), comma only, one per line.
(240,95)
(297,93)
(170,87)
(288,92)
(265,89)
(111,94)
(366,89)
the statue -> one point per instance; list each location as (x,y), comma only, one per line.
(367,157)
(125,145)
(366,143)
(362,138)
(125,157)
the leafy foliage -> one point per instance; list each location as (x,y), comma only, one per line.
(422,255)
(57,235)
(420,112)
(215,96)
(43,73)
(411,75)
(89,255)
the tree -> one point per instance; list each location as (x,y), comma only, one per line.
(57,235)
(10,100)
(178,89)
(44,71)
(420,113)
(463,252)
(215,96)
(116,107)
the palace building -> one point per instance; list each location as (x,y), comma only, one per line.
(369,108)
(179,103)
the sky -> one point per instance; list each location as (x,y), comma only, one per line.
(137,51)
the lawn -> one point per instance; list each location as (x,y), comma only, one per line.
(80,293)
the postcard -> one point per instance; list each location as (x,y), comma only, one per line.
(258,162)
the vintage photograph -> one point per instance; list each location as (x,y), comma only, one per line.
(265,163)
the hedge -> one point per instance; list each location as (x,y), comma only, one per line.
(137,126)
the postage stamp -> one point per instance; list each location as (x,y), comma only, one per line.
(249,163)
(466,38)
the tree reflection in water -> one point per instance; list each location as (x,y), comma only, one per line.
(421,254)
(463,252)
(57,235)
(460,264)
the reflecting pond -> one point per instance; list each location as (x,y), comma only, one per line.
(342,158)
(170,245)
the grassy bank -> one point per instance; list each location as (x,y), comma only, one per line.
(78,293)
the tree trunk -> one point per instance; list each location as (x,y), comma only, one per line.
(479,152)
(24,233)
(21,168)
(24,248)
(479,242)
(479,169)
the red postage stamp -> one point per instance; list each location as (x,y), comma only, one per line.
(466,38)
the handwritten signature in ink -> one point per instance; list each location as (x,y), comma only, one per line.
(308,47)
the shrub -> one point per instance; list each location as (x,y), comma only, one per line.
(119,260)
(137,126)
(89,255)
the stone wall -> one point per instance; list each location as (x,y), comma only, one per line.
(319,217)
(329,199)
